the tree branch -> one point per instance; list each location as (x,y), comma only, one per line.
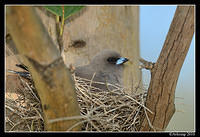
(51,78)
(164,74)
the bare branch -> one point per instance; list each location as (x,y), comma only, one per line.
(51,78)
(164,75)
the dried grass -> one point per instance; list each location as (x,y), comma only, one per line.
(114,110)
(23,109)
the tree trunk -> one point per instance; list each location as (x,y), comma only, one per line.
(101,27)
(164,74)
(51,78)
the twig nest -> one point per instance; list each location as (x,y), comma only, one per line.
(112,110)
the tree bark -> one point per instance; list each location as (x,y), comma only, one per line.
(101,27)
(51,78)
(108,27)
(164,74)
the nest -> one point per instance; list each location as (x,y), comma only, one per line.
(112,110)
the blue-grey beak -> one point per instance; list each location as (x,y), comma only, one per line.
(121,60)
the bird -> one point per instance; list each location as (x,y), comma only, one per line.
(106,67)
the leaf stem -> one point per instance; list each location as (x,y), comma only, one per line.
(62,24)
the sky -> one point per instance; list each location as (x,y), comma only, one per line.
(154,25)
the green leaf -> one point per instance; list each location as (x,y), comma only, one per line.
(68,10)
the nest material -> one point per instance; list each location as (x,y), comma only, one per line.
(23,111)
(114,110)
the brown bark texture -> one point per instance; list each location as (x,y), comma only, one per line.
(100,27)
(51,78)
(165,73)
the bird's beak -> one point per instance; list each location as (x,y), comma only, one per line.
(121,60)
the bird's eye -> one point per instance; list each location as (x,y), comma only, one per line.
(112,60)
